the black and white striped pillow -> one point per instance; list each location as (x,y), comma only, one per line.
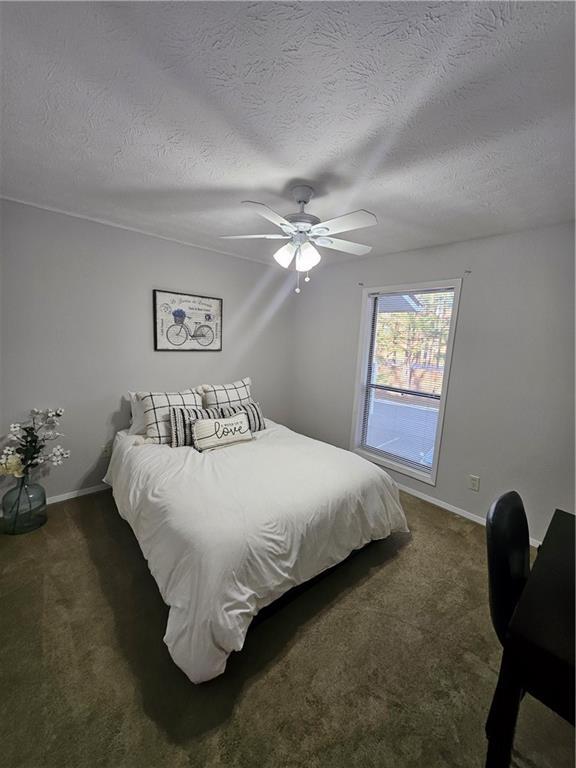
(156,407)
(183,419)
(252,410)
(219,395)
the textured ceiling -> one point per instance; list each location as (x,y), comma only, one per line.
(449,120)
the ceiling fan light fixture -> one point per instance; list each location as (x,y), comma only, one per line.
(325,241)
(307,258)
(321,230)
(284,255)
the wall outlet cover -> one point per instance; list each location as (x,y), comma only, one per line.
(474,482)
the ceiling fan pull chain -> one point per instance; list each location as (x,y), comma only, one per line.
(297,289)
(307,278)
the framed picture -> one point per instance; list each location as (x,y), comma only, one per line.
(185,322)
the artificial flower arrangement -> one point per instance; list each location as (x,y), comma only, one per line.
(24,506)
(31,439)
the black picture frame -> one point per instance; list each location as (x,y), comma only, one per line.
(216,326)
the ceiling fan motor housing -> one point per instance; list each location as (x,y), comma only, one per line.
(303,221)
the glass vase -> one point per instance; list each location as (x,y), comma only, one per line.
(23,507)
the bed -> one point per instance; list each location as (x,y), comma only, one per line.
(226,532)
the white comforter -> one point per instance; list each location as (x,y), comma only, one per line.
(228,531)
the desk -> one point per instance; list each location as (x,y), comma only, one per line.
(538,656)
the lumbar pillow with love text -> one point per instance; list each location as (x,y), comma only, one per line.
(213,433)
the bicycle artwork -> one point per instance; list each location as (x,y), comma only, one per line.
(186,322)
(179,331)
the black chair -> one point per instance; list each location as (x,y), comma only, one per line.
(536,656)
(508,545)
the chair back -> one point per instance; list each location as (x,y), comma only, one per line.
(508,546)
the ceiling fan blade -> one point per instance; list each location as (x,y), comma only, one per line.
(255,237)
(269,214)
(345,223)
(345,246)
(285,255)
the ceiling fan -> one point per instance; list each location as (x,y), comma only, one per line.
(305,231)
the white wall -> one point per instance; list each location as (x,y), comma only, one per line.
(76,327)
(510,406)
(76,331)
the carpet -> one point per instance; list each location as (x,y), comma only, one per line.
(387,661)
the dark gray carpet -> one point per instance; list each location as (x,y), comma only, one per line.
(389,660)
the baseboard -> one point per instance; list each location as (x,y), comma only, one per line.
(80,492)
(452,508)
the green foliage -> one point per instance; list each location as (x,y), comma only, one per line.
(410,347)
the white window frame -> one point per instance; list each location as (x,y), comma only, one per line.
(362,371)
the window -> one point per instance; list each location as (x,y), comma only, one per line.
(403,375)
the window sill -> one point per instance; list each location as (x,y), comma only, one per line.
(425,477)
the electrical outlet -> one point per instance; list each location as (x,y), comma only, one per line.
(474,482)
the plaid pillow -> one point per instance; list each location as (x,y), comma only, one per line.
(157,411)
(252,410)
(183,419)
(218,395)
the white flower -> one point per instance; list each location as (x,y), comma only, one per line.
(66,455)
(14,428)
(59,411)
(8,451)
(40,460)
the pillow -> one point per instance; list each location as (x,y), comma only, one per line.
(138,424)
(157,411)
(252,410)
(227,394)
(182,420)
(213,433)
